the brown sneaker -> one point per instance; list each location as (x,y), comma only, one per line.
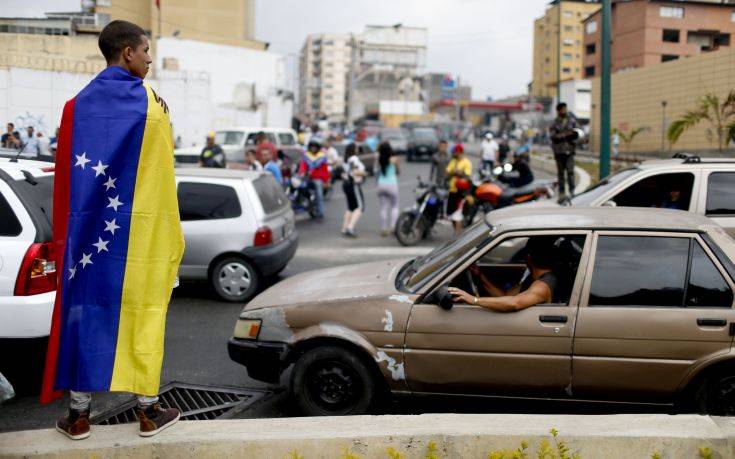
(155,418)
(74,424)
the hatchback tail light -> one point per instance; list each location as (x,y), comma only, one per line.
(264,236)
(37,271)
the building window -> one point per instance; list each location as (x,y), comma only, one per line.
(591,27)
(568,28)
(669,57)
(589,72)
(671,12)
(590,49)
(732,16)
(568,42)
(567,56)
(671,35)
(566,70)
(568,14)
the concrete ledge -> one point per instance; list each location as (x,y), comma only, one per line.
(456,436)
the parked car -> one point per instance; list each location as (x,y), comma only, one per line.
(643,313)
(27,269)
(423,142)
(239,229)
(235,141)
(396,137)
(705,186)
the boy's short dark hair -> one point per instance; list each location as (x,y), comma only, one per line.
(443,141)
(542,251)
(560,105)
(118,35)
(11,125)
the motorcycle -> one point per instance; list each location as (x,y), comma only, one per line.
(300,191)
(415,224)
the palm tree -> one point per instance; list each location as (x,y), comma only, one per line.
(627,137)
(719,114)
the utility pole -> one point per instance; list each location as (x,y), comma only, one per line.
(352,77)
(456,99)
(558,50)
(605,91)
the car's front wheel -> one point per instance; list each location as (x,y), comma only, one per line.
(235,279)
(333,381)
(716,395)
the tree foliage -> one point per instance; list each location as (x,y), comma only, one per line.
(718,113)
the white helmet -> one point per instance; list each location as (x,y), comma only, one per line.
(489,136)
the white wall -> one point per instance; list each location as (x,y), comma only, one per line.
(578,96)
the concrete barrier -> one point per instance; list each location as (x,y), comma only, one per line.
(455,436)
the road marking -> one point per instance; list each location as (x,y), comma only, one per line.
(346,252)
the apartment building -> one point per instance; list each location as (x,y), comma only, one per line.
(557,45)
(324,68)
(646,32)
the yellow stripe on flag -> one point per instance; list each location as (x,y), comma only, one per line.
(155,248)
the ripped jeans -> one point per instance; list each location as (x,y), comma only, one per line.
(80,401)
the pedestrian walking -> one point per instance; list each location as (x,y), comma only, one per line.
(353,173)
(117,239)
(388,173)
(490,150)
(212,154)
(561,133)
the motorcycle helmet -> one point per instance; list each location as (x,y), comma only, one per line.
(462,184)
(458,148)
(314,143)
(576,136)
(489,192)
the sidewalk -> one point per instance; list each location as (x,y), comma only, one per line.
(446,435)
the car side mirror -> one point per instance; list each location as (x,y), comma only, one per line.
(609,203)
(442,298)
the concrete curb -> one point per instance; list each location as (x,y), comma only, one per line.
(455,436)
(546,164)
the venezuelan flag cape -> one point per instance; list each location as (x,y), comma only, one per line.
(117,239)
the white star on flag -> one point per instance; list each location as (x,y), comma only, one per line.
(99,169)
(114,203)
(72,272)
(111,226)
(110,183)
(86,260)
(82,160)
(101,245)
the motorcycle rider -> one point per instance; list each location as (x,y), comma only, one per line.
(314,163)
(522,167)
(439,162)
(562,135)
(212,154)
(459,171)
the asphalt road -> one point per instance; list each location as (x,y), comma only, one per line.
(199,325)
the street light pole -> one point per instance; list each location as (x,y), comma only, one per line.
(663,126)
(351,89)
(558,50)
(605,102)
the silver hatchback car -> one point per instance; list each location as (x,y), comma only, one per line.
(239,229)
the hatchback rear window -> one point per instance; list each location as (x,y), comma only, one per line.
(40,192)
(9,224)
(270,193)
(207,201)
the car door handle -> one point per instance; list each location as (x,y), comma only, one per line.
(553,319)
(706,322)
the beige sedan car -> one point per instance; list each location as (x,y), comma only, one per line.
(642,311)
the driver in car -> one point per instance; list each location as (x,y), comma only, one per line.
(537,287)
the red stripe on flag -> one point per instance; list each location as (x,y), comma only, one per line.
(62,175)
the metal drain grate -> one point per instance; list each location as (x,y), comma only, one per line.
(196,403)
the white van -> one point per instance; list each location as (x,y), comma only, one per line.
(234,141)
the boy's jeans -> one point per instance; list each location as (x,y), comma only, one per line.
(80,401)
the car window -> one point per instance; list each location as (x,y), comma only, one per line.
(228,137)
(41,193)
(639,271)
(270,137)
(207,201)
(603,186)
(9,224)
(672,191)
(270,193)
(706,287)
(251,138)
(286,138)
(721,193)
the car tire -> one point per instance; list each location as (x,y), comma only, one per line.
(333,381)
(235,279)
(716,394)
(408,231)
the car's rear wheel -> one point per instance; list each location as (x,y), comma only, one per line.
(716,395)
(235,279)
(333,381)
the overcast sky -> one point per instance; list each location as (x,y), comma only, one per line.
(488,43)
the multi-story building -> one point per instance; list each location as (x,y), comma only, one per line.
(557,45)
(323,72)
(646,32)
